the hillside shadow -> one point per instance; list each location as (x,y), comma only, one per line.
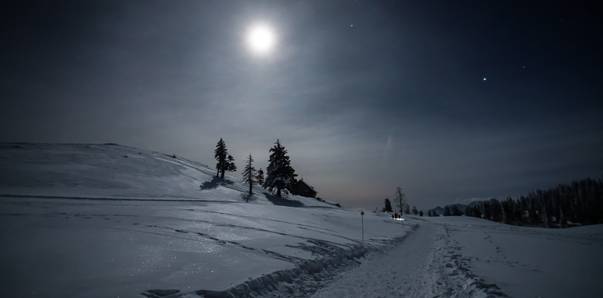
(215,182)
(282,202)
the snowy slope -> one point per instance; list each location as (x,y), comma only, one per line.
(97,170)
(87,221)
(111,171)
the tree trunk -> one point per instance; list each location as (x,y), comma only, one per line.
(250,187)
(278,192)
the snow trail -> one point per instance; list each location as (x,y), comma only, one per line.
(399,272)
(502,260)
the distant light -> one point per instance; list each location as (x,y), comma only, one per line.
(484,79)
(261,39)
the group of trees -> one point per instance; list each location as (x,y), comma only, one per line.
(580,202)
(402,206)
(279,173)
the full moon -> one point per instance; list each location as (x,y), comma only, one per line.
(261,39)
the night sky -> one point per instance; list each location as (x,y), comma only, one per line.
(451,100)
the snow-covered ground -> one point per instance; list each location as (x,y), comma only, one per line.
(398,272)
(470,257)
(86,221)
(522,261)
(115,221)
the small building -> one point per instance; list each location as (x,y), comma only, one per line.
(301,188)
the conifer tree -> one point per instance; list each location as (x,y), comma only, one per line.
(279,173)
(400,199)
(388,206)
(225,161)
(249,174)
(220,153)
(230,165)
(260,177)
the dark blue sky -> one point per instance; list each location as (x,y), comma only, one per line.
(366,95)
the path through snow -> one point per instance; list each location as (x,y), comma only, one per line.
(401,271)
(466,257)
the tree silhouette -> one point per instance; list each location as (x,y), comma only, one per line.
(220,153)
(249,175)
(280,174)
(400,198)
(578,203)
(260,177)
(225,161)
(230,165)
(388,206)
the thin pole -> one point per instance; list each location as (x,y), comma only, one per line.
(362,219)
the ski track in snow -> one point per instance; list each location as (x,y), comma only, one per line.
(428,263)
(451,274)
(425,263)
(505,260)
(398,272)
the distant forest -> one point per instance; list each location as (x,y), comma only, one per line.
(578,203)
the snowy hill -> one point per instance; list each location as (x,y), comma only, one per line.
(83,220)
(112,171)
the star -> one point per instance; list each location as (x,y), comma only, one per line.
(351,25)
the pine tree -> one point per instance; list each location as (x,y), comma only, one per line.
(388,206)
(260,177)
(225,161)
(230,165)
(220,153)
(249,175)
(400,199)
(279,173)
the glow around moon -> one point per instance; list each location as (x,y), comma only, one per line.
(261,39)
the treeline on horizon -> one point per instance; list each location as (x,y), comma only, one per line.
(577,203)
